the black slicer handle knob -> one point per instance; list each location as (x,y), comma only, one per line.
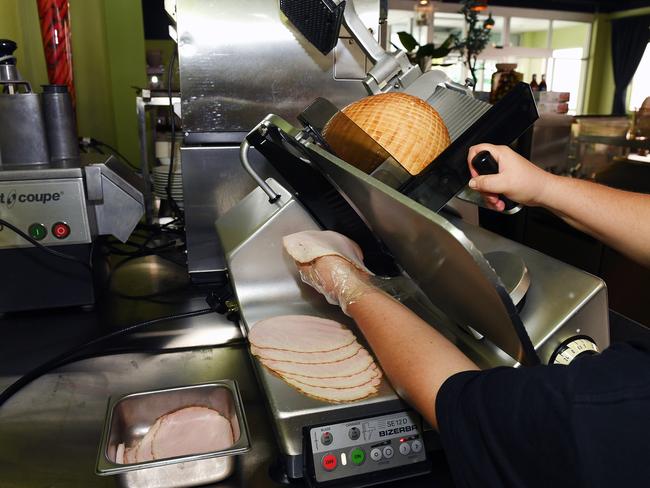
(7,48)
(485,164)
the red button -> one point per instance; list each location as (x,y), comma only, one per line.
(329,462)
(61,230)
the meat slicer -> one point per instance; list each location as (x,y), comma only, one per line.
(500,302)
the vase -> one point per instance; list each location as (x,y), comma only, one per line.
(503,80)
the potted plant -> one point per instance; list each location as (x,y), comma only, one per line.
(422,55)
(476,38)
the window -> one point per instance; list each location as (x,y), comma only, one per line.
(554,44)
(525,32)
(566,69)
(640,86)
(403,20)
(445,24)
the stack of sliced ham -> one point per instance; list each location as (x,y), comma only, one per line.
(319,357)
(190,430)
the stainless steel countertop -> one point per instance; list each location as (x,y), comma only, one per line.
(50,431)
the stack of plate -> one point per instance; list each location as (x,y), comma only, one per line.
(160,177)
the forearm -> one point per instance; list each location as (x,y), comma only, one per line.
(416,357)
(617,218)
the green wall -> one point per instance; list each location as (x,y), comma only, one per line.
(600,76)
(92,73)
(108,60)
(126,59)
(563,37)
(568,37)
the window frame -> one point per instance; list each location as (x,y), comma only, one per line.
(507,52)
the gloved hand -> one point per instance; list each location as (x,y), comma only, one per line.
(337,279)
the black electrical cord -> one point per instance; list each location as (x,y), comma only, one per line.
(40,246)
(85,142)
(172,118)
(75,354)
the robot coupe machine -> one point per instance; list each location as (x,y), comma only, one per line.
(325,443)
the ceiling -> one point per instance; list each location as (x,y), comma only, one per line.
(571,5)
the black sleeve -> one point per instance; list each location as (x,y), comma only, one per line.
(586,424)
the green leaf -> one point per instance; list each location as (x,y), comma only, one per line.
(438,52)
(448,43)
(407,40)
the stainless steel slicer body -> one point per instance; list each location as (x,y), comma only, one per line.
(444,276)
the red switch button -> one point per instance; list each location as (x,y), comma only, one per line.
(61,230)
(329,462)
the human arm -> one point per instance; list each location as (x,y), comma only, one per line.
(618,218)
(415,356)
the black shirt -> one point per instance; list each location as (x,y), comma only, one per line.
(582,425)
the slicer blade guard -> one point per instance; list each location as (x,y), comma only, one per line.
(391,226)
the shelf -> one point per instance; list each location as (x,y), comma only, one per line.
(616,141)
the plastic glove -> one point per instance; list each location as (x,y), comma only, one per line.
(337,279)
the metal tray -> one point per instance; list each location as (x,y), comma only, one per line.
(130,417)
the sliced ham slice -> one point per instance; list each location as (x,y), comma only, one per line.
(306,246)
(119,454)
(129,455)
(143,451)
(371,375)
(334,394)
(353,365)
(300,333)
(307,357)
(191,430)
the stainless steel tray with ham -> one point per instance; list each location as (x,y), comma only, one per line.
(176,437)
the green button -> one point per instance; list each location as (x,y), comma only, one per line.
(358,456)
(37,231)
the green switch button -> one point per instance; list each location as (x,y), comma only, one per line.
(358,456)
(37,231)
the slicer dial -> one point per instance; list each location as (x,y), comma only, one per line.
(573,347)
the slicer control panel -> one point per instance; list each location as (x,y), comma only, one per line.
(365,446)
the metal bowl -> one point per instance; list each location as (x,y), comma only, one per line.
(129,418)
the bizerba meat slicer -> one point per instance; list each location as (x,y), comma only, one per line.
(500,302)
(456,276)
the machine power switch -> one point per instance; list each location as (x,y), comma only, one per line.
(375,454)
(61,230)
(358,456)
(388,452)
(329,462)
(37,231)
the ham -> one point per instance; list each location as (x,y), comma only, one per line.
(318,357)
(143,450)
(307,357)
(189,430)
(335,394)
(347,367)
(300,333)
(119,454)
(304,247)
(370,375)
